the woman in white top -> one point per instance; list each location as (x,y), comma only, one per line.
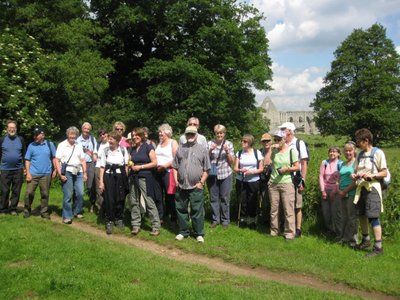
(71,154)
(248,167)
(114,181)
(165,153)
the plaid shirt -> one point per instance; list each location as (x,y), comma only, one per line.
(223,168)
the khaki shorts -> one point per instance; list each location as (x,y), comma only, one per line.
(298,199)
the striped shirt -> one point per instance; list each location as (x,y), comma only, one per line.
(191,160)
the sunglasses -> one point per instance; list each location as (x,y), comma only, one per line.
(119,129)
(193,124)
(244,141)
(265,141)
(277,139)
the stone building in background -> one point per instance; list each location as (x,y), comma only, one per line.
(304,120)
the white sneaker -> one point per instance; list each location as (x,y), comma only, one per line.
(200,239)
(179,237)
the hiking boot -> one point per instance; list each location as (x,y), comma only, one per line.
(120,224)
(179,237)
(363,245)
(45,216)
(252,226)
(109,227)
(27,214)
(375,252)
(135,230)
(298,233)
(67,221)
(79,216)
(200,239)
(155,232)
(213,225)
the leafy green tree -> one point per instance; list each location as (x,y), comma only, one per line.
(76,76)
(362,89)
(20,58)
(184,58)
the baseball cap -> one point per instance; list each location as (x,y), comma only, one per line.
(280,134)
(265,136)
(191,129)
(37,131)
(288,125)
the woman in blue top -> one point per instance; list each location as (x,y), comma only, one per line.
(248,166)
(346,193)
(142,182)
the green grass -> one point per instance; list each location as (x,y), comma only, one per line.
(45,260)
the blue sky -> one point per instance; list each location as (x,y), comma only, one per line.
(303,34)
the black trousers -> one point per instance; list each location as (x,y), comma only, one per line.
(10,181)
(114,196)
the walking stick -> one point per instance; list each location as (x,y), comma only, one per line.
(239,198)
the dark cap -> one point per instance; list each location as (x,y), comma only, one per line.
(37,131)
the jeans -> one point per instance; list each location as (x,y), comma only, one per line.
(73,183)
(10,181)
(91,182)
(220,189)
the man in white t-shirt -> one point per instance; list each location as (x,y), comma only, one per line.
(291,140)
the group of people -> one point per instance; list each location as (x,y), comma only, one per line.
(351,190)
(168,179)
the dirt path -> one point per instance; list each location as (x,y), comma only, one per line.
(217,264)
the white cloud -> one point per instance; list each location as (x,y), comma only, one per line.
(398,49)
(291,90)
(303,25)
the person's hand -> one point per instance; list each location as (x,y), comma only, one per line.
(300,189)
(54,174)
(324,195)
(28,177)
(160,169)
(101,187)
(63,178)
(199,185)
(85,177)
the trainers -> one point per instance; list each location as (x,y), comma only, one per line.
(109,227)
(79,216)
(13,213)
(298,233)
(155,232)
(67,221)
(27,214)
(135,230)
(45,216)
(120,224)
(179,237)
(200,239)
(364,245)
(375,252)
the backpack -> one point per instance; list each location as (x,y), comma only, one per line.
(338,166)
(385,182)
(298,149)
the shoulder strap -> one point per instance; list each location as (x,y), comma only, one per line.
(298,146)
(290,156)
(106,151)
(339,165)
(92,140)
(51,153)
(256,156)
(326,162)
(220,151)
(372,158)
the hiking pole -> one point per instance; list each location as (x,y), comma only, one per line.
(239,198)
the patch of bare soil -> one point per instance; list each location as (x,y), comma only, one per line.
(217,264)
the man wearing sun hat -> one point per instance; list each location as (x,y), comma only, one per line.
(191,165)
(289,128)
(40,168)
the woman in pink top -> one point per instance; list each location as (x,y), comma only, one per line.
(329,186)
(120,128)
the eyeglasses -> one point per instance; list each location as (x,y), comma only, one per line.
(193,124)
(277,139)
(244,141)
(119,129)
(265,141)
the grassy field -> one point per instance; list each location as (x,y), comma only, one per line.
(44,260)
(68,260)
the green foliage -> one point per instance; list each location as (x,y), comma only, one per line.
(362,87)
(20,61)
